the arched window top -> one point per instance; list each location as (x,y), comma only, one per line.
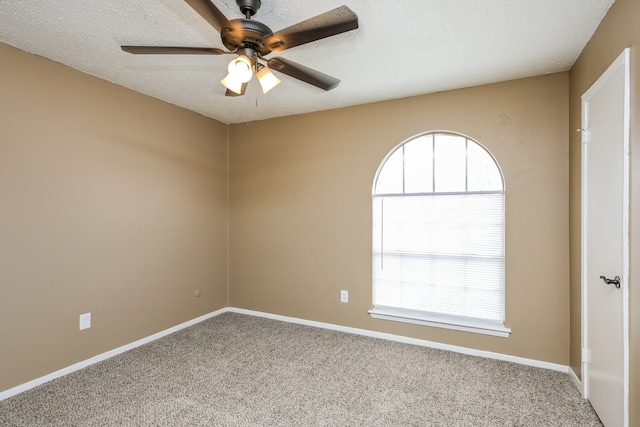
(439,162)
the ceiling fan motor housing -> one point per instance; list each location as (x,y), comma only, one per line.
(246,33)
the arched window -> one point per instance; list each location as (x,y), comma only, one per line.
(438,235)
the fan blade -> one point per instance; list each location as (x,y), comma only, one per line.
(328,24)
(168,50)
(306,74)
(229,92)
(210,13)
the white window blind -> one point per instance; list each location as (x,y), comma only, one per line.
(438,235)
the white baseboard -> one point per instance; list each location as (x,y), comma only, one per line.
(391,337)
(99,358)
(576,381)
(407,340)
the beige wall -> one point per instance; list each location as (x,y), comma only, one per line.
(617,31)
(300,208)
(112,203)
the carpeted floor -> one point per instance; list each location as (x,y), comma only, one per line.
(238,370)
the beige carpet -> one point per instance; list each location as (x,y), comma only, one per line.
(238,370)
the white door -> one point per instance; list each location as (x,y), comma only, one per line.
(605,241)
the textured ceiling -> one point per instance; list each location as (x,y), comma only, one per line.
(402,48)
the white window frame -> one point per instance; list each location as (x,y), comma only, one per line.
(434,319)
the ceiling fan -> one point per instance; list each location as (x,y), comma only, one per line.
(252,41)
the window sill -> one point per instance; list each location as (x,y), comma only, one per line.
(440,321)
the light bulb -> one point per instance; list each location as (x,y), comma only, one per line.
(240,68)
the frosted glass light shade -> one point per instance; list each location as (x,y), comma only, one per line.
(267,79)
(232,83)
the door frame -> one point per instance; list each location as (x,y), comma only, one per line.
(622,61)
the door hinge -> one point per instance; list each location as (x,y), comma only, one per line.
(584,136)
(586,355)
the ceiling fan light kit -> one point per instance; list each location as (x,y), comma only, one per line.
(252,41)
(241,70)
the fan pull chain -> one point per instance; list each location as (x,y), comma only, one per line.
(250,92)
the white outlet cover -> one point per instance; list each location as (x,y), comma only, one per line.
(344,296)
(85,321)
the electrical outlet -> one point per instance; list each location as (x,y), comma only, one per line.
(344,296)
(85,321)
